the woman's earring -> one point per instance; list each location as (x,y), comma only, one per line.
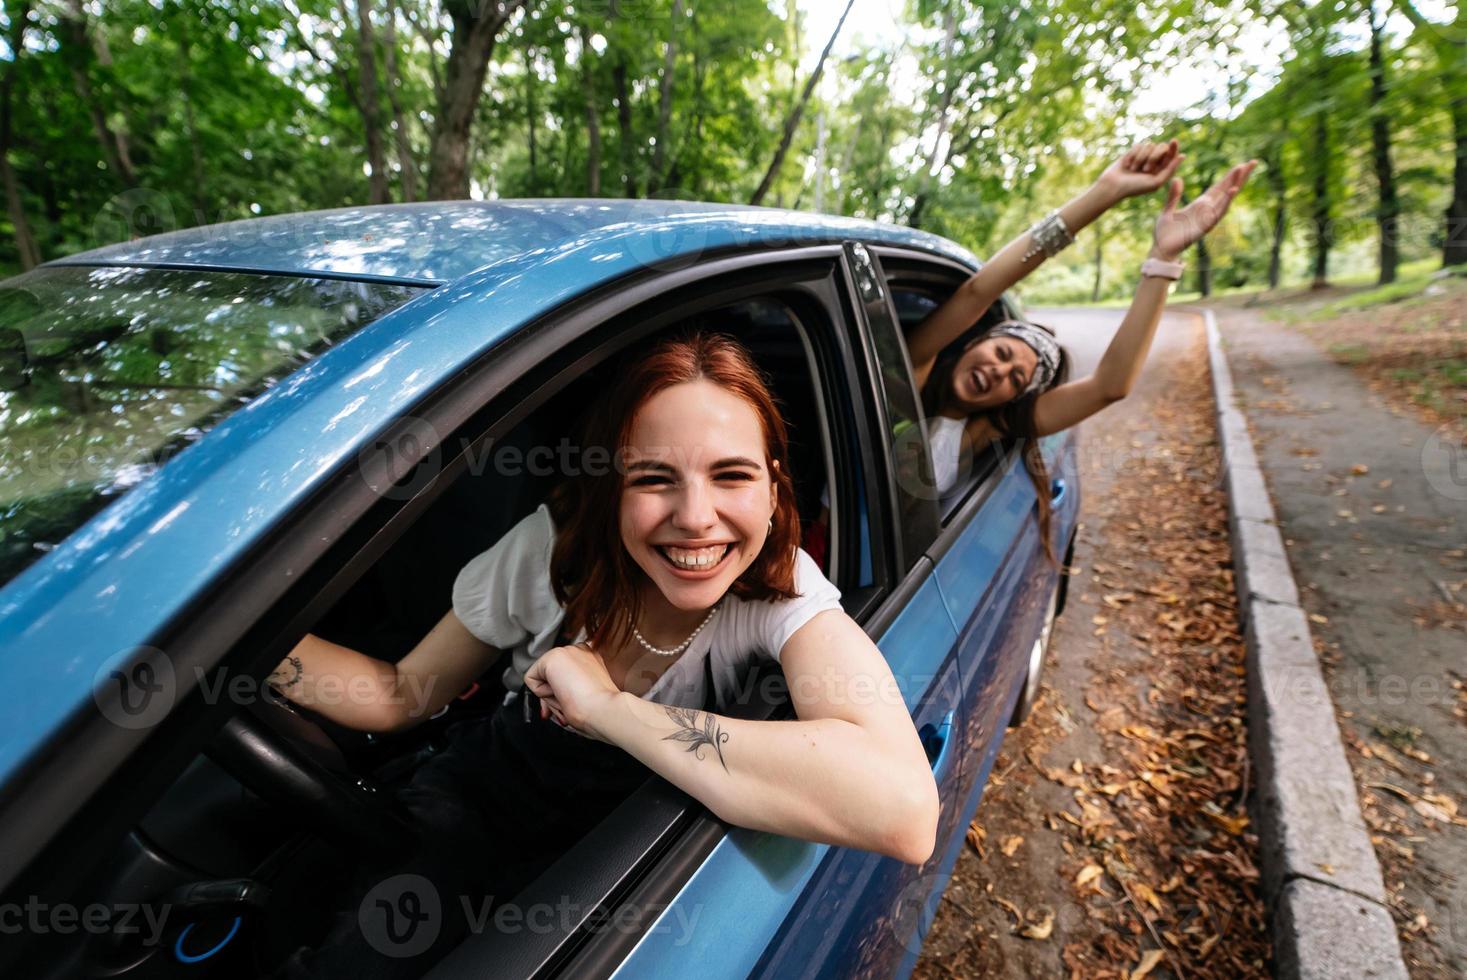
(770,529)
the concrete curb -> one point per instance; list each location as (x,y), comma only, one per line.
(1321,878)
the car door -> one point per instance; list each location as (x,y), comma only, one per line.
(990,565)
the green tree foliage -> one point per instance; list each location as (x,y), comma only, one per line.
(138,116)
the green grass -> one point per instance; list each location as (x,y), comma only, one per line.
(1403,288)
(1411,279)
(1350,353)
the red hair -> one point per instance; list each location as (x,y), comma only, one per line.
(593,576)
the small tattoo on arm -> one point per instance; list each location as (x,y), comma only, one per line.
(694,735)
(281,679)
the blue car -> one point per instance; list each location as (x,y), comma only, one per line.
(216,440)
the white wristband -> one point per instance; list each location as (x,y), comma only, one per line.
(1162,269)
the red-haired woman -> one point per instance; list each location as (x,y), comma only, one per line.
(632,607)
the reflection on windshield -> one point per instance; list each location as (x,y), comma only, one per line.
(107,372)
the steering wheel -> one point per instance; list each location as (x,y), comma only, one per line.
(284,757)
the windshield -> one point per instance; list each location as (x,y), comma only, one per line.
(107,372)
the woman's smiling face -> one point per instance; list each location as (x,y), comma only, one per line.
(992,372)
(697,496)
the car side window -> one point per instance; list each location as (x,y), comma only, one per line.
(917,289)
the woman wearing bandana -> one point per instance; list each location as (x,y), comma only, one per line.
(984,381)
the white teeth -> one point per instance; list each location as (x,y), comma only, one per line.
(693,559)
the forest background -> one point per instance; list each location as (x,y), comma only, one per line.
(969,118)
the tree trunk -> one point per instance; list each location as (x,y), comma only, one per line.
(1454,249)
(593,119)
(1388,210)
(664,108)
(476,28)
(530,114)
(626,140)
(191,123)
(792,121)
(103,54)
(79,55)
(25,242)
(1099,259)
(405,161)
(368,101)
(1204,268)
(1320,200)
(1276,247)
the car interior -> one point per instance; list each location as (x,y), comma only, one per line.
(245,861)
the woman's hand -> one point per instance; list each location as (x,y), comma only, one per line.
(574,688)
(1144,168)
(1177,230)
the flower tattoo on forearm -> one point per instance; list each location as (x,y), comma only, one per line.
(694,735)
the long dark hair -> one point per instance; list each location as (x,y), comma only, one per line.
(593,576)
(1012,420)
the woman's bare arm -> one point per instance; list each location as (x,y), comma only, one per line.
(1143,169)
(851,771)
(1120,366)
(362,692)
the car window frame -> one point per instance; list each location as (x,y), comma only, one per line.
(327,543)
(910,267)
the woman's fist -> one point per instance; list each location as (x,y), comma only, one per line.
(574,688)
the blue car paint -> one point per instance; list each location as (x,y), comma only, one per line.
(445,241)
(110,586)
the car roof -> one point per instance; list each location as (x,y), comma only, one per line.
(136,566)
(439,242)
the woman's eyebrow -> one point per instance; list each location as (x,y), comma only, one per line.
(736,461)
(651,464)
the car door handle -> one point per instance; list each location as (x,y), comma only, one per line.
(1057,490)
(937,740)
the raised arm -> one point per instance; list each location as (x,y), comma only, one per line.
(1142,170)
(1176,230)
(851,771)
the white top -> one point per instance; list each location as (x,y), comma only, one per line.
(504,597)
(946,437)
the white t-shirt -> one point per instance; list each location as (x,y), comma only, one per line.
(504,597)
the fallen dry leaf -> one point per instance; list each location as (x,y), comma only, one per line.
(1010,845)
(1148,963)
(1040,929)
(1088,873)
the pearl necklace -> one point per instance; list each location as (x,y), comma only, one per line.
(674,651)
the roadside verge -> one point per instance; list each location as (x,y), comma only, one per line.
(1321,878)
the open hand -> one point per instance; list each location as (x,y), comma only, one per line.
(573,686)
(1177,230)
(1143,169)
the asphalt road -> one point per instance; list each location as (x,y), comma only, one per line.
(973,935)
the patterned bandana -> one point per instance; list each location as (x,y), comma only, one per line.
(1044,346)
